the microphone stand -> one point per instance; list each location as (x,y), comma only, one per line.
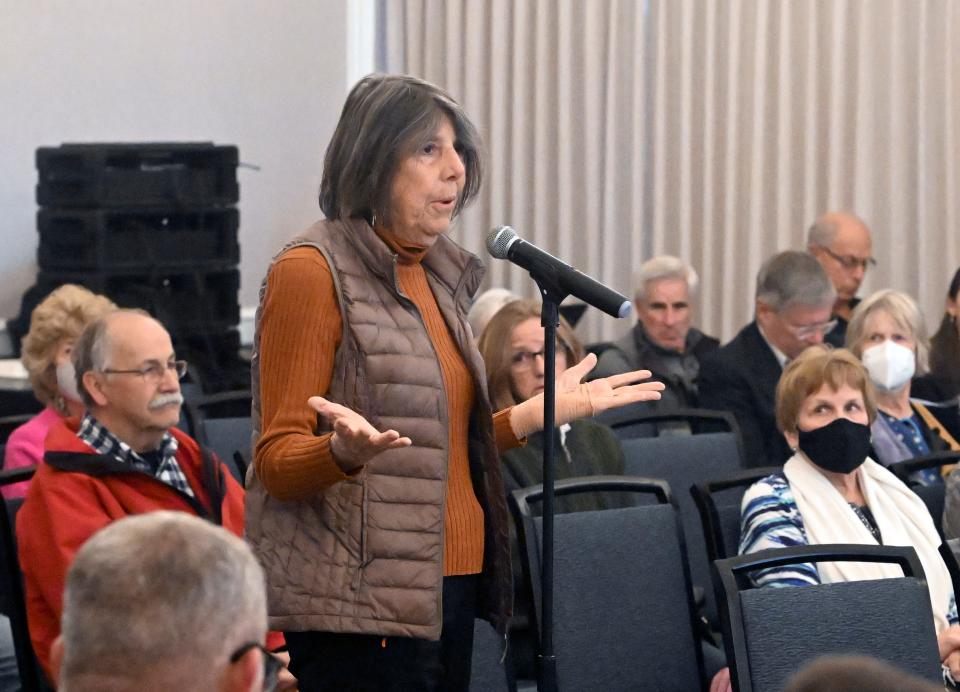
(552,296)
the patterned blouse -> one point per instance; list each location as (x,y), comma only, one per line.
(770,518)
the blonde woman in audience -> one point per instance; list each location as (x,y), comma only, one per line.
(831,491)
(55,325)
(887,332)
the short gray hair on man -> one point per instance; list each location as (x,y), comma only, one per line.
(822,232)
(903,310)
(664,267)
(162,600)
(92,349)
(794,278)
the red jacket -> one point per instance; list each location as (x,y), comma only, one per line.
(76,492)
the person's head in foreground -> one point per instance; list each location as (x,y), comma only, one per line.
(55,326)
(163,601)
(794,300)
(129,377)
(512,347)
(850,673)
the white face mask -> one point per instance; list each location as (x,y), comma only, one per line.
(890,365)
(67,381)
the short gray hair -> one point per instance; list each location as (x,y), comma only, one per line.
(903,310)
(160,599)
(822,232)
(794,278)
(664,267)
(92,349)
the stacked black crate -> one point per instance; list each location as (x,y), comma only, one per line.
(153,226)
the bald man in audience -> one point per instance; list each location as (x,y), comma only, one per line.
(123,457)
(841,243)
(164,601)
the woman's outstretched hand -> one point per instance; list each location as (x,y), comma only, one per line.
(577,399)
(354,441)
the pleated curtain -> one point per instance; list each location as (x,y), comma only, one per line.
(714,130)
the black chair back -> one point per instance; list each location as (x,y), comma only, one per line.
(645,420)
(718,504)
(222,423)
(623,606)
(31,678)
(229,438)
(10,423)
(769,633)
(933,496)
(490,669)
(683,461)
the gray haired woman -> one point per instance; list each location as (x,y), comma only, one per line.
(375,501)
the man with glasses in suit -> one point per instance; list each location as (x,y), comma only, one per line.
(841,243)
(794,298)
(123,456)
(164,601)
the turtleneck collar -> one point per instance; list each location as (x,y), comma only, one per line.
(408,253)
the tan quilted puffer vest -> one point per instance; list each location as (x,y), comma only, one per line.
(366,555)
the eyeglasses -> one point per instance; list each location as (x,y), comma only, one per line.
(851,262)
(154,371)
(523,360)
(271,664)
(803,333)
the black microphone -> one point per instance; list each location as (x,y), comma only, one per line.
(504,243)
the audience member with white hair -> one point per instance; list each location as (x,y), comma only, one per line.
(663,340)
(124,456)
(164,601)
(485,306)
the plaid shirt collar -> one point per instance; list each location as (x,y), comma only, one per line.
(104,442)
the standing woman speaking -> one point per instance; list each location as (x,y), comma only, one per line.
(375,500)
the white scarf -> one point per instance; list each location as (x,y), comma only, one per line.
(900,514)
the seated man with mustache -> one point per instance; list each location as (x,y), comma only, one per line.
(122,457)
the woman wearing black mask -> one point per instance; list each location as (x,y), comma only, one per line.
(830,491)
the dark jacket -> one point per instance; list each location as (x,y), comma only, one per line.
(742,377)
(678,371)
(590,449)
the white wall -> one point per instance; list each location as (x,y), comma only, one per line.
(267,76)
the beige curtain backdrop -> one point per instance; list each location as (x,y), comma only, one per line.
(715,130)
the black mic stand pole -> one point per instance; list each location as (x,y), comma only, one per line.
(552,296)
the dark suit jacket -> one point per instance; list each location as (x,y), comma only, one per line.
(742,378)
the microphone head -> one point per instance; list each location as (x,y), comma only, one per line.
(499,241)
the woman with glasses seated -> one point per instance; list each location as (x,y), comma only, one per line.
(55,324)
(831,491)
(887,332)
(512,347)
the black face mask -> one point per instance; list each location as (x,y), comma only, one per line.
(840,446)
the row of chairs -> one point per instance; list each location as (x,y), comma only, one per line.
(624,618)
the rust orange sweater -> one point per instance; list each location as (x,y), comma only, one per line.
(300,331)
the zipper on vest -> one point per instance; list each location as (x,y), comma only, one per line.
(364,560)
